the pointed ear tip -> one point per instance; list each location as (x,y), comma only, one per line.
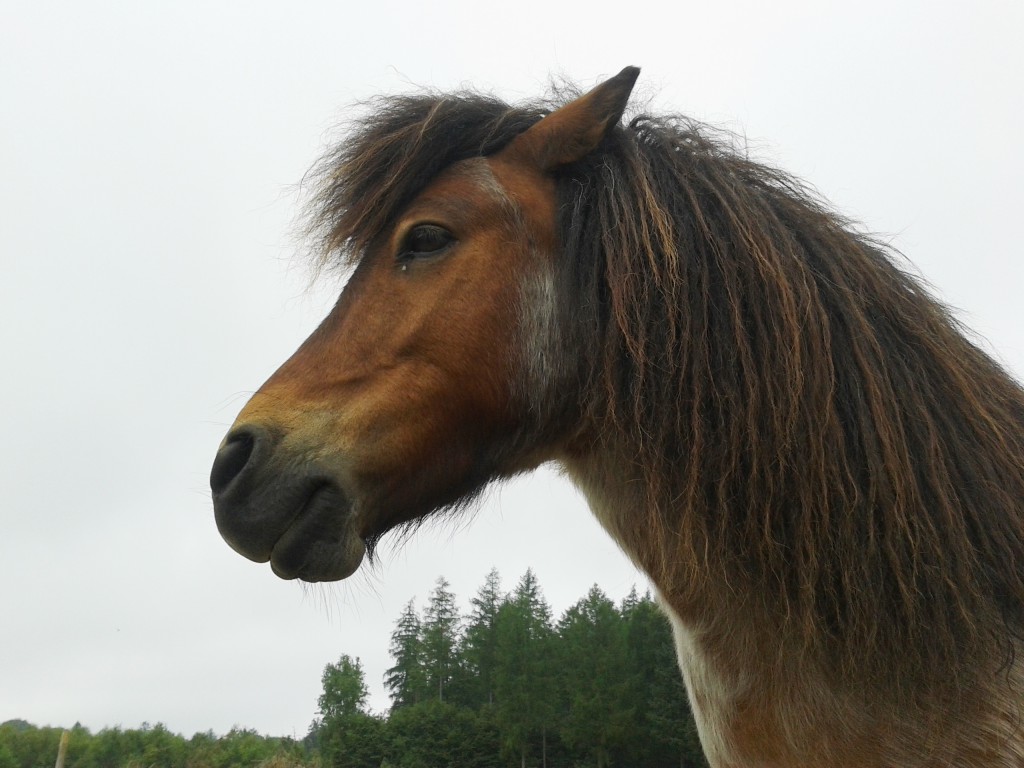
(630,73)
(625,80)
(622,85)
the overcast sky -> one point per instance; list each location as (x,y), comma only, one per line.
(148,160)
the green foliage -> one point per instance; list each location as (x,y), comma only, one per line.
(436,733)
(595,678)
(509,687)
(346,734)
(506,687)
(524,674)
(25,746)
(30,746)
(354,740)
(407,680)
(479,645)
(344,689)
(441,627)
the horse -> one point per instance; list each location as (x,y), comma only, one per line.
(821,475)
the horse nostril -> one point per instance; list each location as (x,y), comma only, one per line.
(231,460)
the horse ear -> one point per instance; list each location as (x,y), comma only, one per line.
(572,132)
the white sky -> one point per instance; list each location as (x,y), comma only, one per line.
(147,159)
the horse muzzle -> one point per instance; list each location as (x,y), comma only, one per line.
(293,514)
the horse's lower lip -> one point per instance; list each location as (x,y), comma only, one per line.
(321,543)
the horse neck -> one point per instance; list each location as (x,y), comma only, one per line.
(643,527)
(759,695)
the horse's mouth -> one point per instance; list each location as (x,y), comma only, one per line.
(319,545)
(304,527)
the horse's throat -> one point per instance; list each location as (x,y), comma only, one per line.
(752,708)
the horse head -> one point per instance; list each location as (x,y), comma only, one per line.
(436,372)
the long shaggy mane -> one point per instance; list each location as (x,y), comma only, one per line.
(803,414)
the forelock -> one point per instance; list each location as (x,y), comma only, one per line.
(389,156)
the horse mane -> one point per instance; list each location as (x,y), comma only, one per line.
(802,413)
(805,415)
(390,155)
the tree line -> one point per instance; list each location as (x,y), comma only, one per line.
(23,745)
(506,685)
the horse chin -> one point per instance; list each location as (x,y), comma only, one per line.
(317,561)
(320,544)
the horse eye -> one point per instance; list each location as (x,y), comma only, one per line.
(424,241)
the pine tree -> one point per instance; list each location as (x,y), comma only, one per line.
(479,646)
(441,624)
(406,681)
(524,678)
(595,678)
